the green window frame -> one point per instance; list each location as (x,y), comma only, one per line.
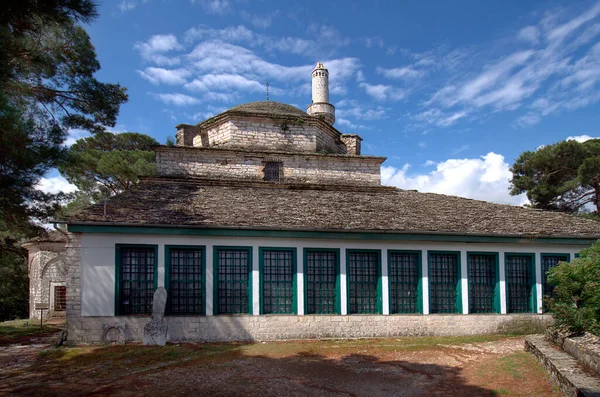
(484,282)
(278,270)
(549,260)
(405,283)
(136,278)
(445,295)
(521,294)
(185,272)
(363,282)
(322,281)
(232,275)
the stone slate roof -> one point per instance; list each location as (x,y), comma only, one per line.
(269,108)
(259,205)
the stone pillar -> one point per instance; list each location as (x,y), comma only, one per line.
(352,142)
(185,134)
(73,255)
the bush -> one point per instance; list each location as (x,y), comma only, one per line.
(576,299)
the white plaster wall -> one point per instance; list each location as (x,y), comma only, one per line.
(98,264)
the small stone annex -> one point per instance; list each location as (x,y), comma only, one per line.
(265,222)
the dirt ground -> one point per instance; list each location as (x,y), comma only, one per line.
(475,366)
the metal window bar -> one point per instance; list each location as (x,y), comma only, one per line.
(404,279)
(443,279)
(136,280)
(272,171)
(60,298)
(548,262)
(482,283)
(321,282)
(278,279)
(232,289)
(185,281)
(363,271)
(519,283)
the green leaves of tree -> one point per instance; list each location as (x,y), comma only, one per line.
(564,176)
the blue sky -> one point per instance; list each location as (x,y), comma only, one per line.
(450,92)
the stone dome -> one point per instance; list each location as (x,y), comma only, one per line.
(269,108)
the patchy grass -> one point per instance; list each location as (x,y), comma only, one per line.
(13,330)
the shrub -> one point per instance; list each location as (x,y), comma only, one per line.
(576,299)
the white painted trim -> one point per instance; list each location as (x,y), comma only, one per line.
(300,280)
(255,281)
(385,291)
(343,284)
(502,278)
(538,281)
(209,280)
(425,280)
(464,282)
(160,266)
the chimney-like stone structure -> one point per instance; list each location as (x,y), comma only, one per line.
(185,134)
(352,142)
(320,106)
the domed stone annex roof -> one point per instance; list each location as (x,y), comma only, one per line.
(268,108)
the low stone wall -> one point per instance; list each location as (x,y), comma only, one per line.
(278,327)
(585,348)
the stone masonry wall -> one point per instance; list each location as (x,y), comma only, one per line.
(297,168)
(279,327)
(41,273)
(73,254)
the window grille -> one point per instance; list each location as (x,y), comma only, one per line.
(443,281)
(233,279)
(482,283)
(186,278)
(136,276)
(273,171)
(519,279)
(363,271)
(321,282)
(548,262)
(278,279)
(60,298)
(404,279)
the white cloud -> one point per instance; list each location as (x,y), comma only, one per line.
(226,82)
(215,7)
(176,99)
(529,34)
(346,125)
(259,21)
(580,138)
(528,120)
(406,73)
(163,76)
(74,135)
(130,5)
(381,92)
(154,49)
(55,185)
(485,178)
(439,118)
(348,108)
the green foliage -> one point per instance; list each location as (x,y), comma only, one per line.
(107,164)
(564,176)
(47,85)
(14,283)
(576,300)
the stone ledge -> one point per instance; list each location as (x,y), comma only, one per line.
(565,371)
(585,348)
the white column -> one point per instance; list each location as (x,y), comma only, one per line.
(502,278)
(255,281)
(464,282)
(300,280)
(209,280)
(425,281)
(538,281)
(343,290)
(385,291)
(160,274)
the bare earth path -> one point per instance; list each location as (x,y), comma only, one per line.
(477,366)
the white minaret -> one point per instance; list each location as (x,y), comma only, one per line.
(320,106)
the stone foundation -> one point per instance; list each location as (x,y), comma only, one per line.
(278,327)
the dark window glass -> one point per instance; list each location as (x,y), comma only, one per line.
(278,281)
(482,283)
(404,279)
(548,262)
(273,171)
(60,298)
(443,282)
(321,281)
(136,275)
(233,275)
(186,278)
(519,280)
(363,271)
